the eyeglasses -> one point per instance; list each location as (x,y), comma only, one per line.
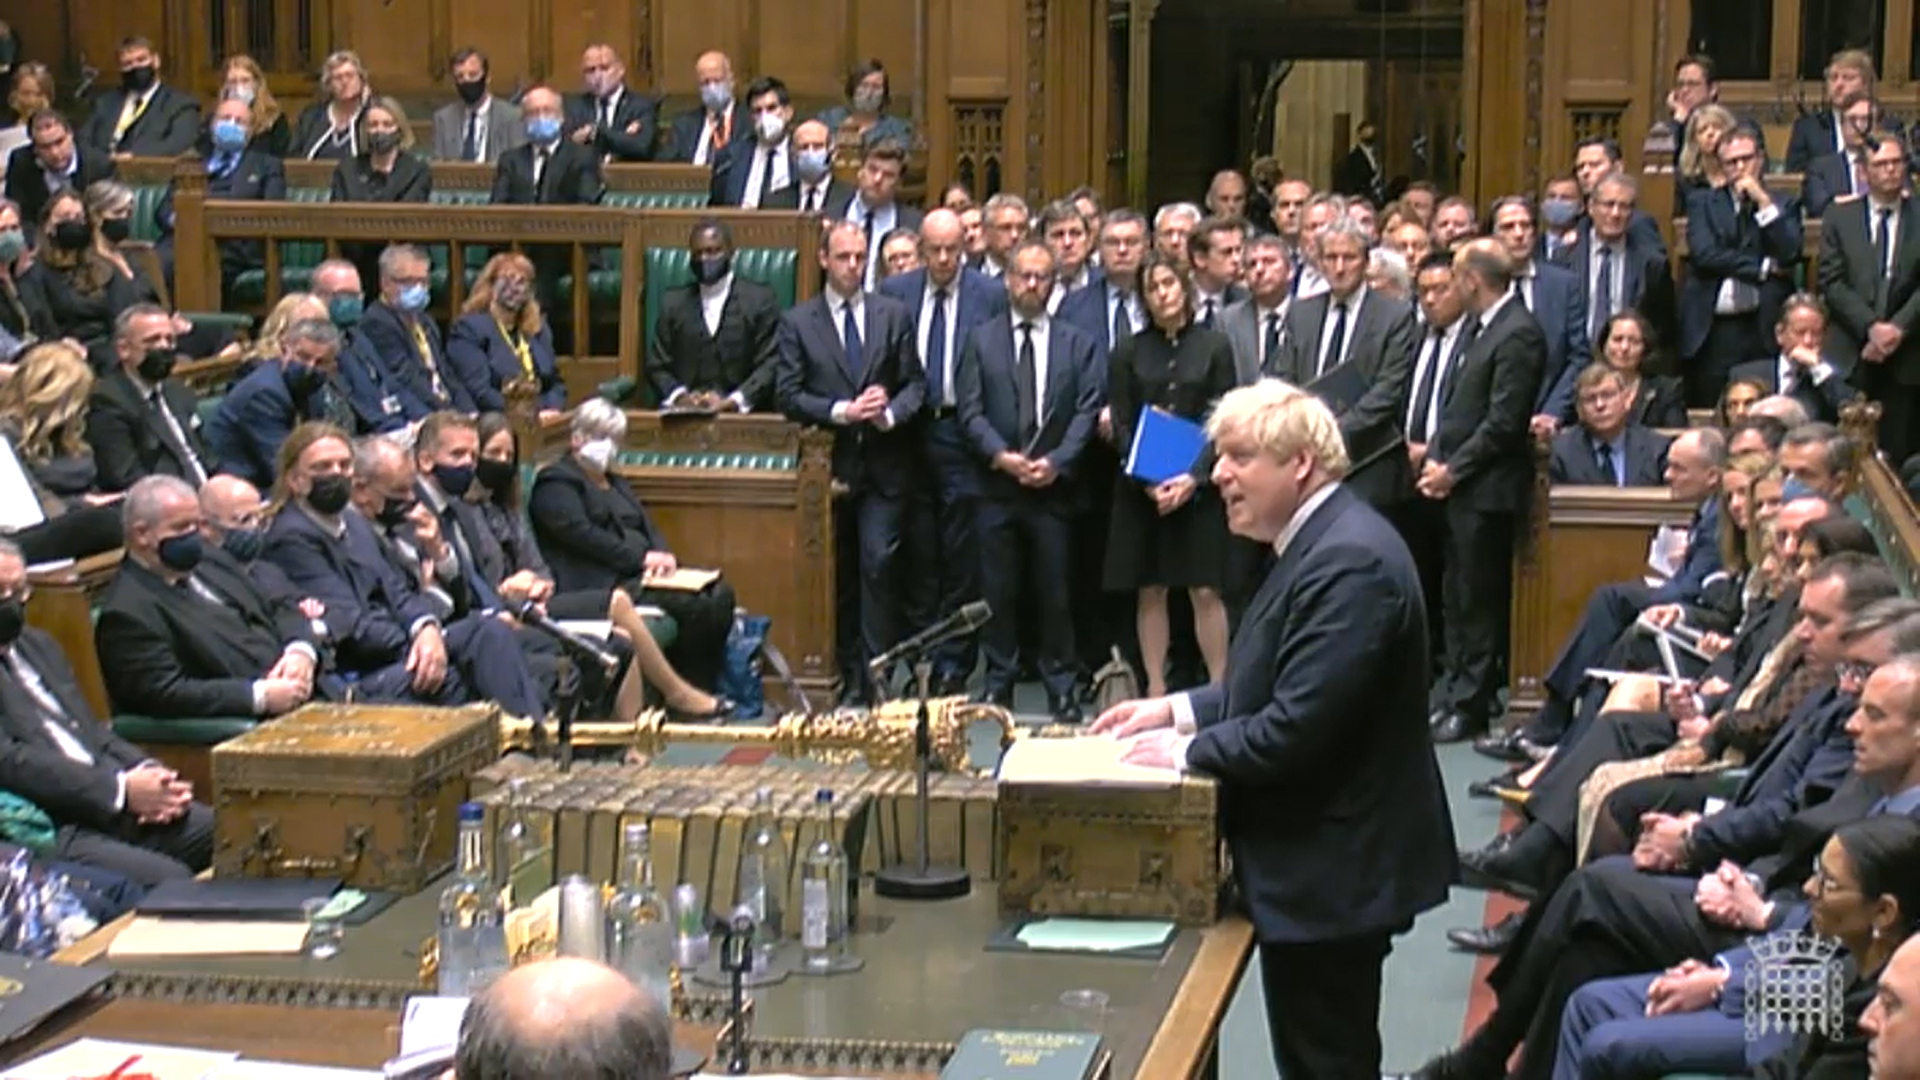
(1824,882)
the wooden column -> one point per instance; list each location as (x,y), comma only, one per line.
(1504,64)
(1140,15)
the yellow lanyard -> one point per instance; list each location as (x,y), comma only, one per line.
(518,344)
(129,116)
(426,356)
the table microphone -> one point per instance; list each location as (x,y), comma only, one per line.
(970,617)
(532,615)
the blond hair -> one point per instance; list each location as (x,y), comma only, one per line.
(45,402)
(1283,420)
(1693,160)
(266,346)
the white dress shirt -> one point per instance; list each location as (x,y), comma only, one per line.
(1136,314)
(817,191)
(1423,416)
(1261,315)
(147,391)
(1874,207)
(837,307)
(767,173)
(1353,302)
(703,150)
(878,221)
(952,306)
(1183,716)
(713,306)
(1788,374)
(1618,274)
(479,120)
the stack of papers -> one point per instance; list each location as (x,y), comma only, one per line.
(104,1057)
(150,936)
(1083,761)
(1094,935)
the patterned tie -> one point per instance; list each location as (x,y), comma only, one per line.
(937,349)
(222,164)
(720,133)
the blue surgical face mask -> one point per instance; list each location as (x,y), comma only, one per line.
(229,136)
(1796,488)
(345,310)
(811,164)
(413,298)
(1559,213)
(543,129)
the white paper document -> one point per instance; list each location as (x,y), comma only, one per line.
(1086,760)
(103,1057)
(431,1023)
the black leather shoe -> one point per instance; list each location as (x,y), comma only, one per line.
(1496,868)
(721,712)
(1501,745)
(1454,727)
(1448,1066)
(1486,789)
(1065,710)
(1487,940)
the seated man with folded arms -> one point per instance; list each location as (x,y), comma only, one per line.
(382,626)
(1605,449)
(115,808)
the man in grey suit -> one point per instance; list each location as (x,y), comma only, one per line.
(1354,348)
(1257,325)
(478,127)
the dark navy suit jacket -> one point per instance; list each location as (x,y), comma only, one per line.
(813,372)
(392,340)
(380,401)
(990,408)
(1572,458)
(1804,764)
(1331,800)
(1823,401)
(1723,244)
(981,298)
(1560,306)
(371,608)
(733,165)
(1646,279)
(483,362)
(1702,559)
(244,434)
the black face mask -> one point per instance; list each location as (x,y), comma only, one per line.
(453,479)
(382,142)
(116,230)
(181,552)
(394,511)
(471,92)
(303,380)
(709,269)
(138,80)
(329,494)
(13,619)
(495,476)
(242,544)
(156,365)
(71,236)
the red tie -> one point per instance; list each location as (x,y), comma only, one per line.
(720,132)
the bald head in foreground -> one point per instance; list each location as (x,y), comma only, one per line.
(564,1019)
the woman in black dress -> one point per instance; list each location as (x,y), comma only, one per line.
(75,288)
(1172,534)
(329,129)
(386,170)
(596,535)
(1628,345)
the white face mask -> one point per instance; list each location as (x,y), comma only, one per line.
(597,453)
(772,126)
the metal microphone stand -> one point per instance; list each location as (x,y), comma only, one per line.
(736,959)
(566,702)
(917,880)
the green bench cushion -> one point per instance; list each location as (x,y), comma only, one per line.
(668,268)
(706,459)
(146,212)
(181,731)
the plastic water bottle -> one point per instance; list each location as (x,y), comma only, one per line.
(763,874)
(473,916)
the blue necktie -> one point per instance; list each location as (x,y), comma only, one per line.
(223,163)
(1122,320)
(850,335)
(936,348)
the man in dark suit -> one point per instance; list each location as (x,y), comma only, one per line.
(1870,279)
(714,340)
(116,808)
(255,417)
(1836,173)
(815,190)
(1361,174)
(144,117)
(847,362)
(382,626)
(1067,231)
(140,420)
(1743,244)
(189,632)
(479,127)
(1849,76)
(1612,918)
(873,206)
(1799,370)
(1617,267)
(51,160)
(704,135)
(405,338)
(613,122)
(1214,248)
(1257,325)
(380,399)
(547,170)
(1029,393)
(1596,158)
(1479,465)
(1364,340)
(759,163)
(1604,448)
(234,171)
(1330,796)
(1558,304)
(946,302)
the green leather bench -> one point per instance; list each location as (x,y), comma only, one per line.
(297,259)
(604,285)
(669,268)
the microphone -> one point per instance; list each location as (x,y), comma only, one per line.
(530,614)
(969,618)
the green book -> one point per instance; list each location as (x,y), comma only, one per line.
(1024,1055)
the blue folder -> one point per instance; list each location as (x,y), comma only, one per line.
(1164,446)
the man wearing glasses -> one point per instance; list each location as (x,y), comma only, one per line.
(1743,244)
(1606,449)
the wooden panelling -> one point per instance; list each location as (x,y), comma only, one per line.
(687,30)
(990,30)
(95,28)
(802,44)
(575,24)
(502,24)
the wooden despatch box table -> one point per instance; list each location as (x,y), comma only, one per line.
(366,793)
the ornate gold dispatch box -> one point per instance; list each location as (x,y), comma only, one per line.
(1117,851)
(367,793)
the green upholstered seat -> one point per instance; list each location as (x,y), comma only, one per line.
(146,212)
(1726,783)
(605,284)
(209,731)
(297,259)
(667,268)
(207,406)
(706,459)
